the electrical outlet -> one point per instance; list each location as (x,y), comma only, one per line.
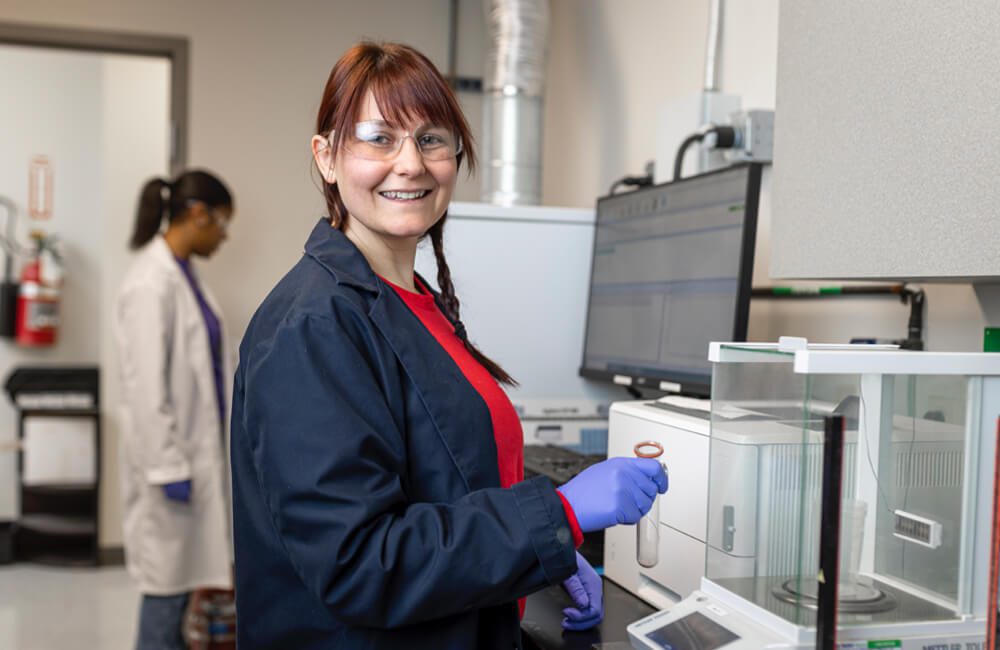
(754,136)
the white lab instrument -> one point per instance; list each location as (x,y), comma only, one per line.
(526,265)
(680,535)
(579,423)
(916,502)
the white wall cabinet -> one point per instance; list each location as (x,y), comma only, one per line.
(886,141)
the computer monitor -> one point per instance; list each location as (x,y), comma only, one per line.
(671,272)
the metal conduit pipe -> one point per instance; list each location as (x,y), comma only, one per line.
(513,101)
(713,48)
(713,65)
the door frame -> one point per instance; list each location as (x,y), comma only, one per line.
(174,48)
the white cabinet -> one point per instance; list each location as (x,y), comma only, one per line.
(528,266)
(886,141)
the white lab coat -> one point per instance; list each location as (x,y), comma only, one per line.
(171,430)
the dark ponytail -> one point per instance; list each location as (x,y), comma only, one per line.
(161,199)
(150,212)
(451,306)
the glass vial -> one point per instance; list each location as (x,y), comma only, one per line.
(647,539)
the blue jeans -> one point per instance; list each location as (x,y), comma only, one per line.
(160,622)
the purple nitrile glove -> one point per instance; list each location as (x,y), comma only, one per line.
(586,590)
(614,491)
(179,491)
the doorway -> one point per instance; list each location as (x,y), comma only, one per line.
(88,117)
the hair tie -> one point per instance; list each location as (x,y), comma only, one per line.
(165,191)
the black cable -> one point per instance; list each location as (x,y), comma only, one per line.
(725,138)
(915,327)
(681,150)
(915,297)
(631,181)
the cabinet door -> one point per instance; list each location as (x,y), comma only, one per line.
(59,450)
(681,562)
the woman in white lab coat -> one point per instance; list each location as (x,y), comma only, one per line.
(175,379)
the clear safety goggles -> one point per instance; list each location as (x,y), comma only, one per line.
(376,140)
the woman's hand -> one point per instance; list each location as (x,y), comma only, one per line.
(614,491)
(179,491)
(586,590)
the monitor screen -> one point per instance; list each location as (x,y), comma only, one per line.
(671,272)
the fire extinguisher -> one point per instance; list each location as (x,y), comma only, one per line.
(38,296)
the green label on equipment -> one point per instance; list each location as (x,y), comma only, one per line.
(886,643)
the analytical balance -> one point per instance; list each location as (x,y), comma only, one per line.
(879,525)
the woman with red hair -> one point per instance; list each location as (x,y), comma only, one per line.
(378,489)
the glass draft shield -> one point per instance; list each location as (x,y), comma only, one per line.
(915,479)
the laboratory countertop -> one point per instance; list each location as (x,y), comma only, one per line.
(542,630)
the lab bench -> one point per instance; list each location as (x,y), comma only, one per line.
(541,627)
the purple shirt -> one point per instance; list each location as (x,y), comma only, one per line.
(214,328)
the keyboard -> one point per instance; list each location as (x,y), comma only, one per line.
(557,463)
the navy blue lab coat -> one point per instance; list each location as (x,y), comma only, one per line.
(367,506)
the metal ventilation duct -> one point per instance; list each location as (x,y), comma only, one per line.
(512,101)
(713,48)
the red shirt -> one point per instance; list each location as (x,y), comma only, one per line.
(506,426)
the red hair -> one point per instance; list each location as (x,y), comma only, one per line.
(407,88)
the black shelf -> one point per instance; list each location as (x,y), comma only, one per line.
(65,558)
(59,521)
(63,525)
(59,489)
(59,413)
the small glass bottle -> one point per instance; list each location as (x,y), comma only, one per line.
(647,540)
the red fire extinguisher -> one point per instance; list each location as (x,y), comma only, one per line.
(38,297)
